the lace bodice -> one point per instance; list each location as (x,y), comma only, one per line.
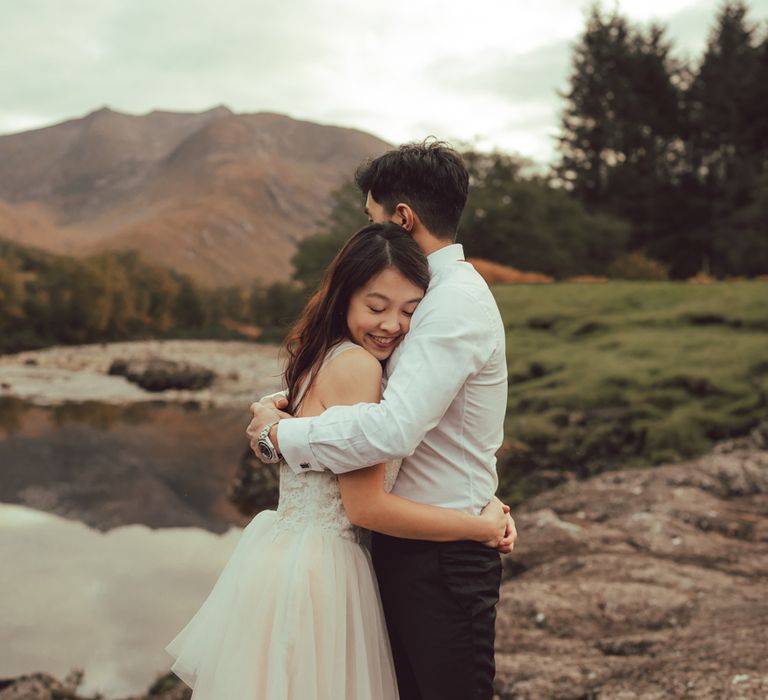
(312,500)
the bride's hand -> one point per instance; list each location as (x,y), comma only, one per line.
(495,517)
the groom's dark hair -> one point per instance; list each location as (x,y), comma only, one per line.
(430,177)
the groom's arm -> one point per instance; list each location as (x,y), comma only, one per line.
(451,338)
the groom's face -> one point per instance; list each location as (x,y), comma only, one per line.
(376,214)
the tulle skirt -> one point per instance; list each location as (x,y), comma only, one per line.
(294,615)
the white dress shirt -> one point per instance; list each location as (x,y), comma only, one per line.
(443,406)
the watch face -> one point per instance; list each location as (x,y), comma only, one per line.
(267,451)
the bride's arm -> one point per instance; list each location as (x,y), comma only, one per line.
(353,377)
(369,506)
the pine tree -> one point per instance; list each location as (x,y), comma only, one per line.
(621,129)
(720,102)
(588,142)
(726,144)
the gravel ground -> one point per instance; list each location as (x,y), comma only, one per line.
(244,372)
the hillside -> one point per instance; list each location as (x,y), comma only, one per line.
(223,197)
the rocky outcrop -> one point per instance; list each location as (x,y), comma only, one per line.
(158,374)
(647,583)
(42,686)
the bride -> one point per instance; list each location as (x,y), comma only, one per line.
(295,614)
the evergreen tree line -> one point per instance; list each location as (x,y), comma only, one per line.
(677,149)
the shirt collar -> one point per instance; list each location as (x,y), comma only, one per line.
(445,256)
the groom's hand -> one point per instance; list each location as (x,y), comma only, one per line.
(264,413)
(277,401)
(507,543)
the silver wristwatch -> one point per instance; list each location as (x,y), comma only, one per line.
(268,451)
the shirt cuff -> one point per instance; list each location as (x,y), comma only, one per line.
(293,440)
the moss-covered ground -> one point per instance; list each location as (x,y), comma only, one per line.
(628,373)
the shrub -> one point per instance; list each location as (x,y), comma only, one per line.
(637,266)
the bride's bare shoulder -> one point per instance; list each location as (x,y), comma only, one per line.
(353,376)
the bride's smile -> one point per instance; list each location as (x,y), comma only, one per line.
(379,314)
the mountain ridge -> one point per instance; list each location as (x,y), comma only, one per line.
(220,196)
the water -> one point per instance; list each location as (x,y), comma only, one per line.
(105,465)
(114,524)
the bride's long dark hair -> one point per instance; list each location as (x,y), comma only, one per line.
(323,322)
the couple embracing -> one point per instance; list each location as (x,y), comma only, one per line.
(378,575)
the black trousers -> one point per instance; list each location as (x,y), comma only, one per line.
(440,605)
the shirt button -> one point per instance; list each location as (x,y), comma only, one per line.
(304,465)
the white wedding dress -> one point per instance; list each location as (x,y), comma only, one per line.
(295,614)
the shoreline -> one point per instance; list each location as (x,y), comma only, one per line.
(79,373)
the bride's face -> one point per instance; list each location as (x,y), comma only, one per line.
(379,313)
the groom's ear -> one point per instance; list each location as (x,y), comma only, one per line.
(405,216)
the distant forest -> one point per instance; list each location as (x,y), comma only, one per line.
(48,299)
(661,173)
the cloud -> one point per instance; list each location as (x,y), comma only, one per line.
(521,77)
(484,72)
(137,56)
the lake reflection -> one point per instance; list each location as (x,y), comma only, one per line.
(107,602)
(114,523)
(160,465)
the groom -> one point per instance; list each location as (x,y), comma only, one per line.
(443,412)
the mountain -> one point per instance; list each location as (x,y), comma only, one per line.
(223,197)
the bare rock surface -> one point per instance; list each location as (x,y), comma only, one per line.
(156,374)
(647,583)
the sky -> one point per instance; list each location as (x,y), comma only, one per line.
(483,73)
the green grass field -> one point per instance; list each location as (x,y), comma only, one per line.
(607,376)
